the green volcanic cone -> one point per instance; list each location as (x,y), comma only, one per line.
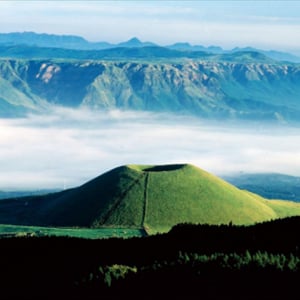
(154,198)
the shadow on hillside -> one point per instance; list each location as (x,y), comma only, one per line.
(164,168)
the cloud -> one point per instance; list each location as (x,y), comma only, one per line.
(70,147)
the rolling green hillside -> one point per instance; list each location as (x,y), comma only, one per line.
(9,231)
(153,198)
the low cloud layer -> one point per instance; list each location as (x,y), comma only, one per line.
(68,148)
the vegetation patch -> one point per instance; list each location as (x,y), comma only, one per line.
(8,231)
(220,261)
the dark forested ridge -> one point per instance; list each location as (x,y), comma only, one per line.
(211,261)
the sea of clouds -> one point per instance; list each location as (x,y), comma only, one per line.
(68,147)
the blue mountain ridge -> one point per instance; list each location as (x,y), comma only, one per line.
(79,43)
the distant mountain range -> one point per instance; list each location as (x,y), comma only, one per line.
(145,54)
(79,43)
(238,85)
(152,198)
(64,41)
(18,194)
(268,185)
(238,90)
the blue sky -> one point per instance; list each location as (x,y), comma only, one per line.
(264,24)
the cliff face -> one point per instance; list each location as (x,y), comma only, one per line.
(203,88)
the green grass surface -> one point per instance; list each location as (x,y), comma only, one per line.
(282,208)
(192,195)
(162,196)
(19,231)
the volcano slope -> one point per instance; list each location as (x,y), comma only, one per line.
(153,198)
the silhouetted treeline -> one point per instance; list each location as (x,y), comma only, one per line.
(213,261)
(217,276)
(277,236)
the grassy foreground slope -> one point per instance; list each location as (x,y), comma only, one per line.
(282,208)
(9,231)
(151,198)
(184,193)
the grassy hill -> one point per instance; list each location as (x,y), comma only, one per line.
(153,198)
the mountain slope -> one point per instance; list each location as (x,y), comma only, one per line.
(268,185)
(63,41)
(154,198)
(42,40)
(79,43)
(235,90)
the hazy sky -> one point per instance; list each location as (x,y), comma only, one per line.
(71,147)
(265,24)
